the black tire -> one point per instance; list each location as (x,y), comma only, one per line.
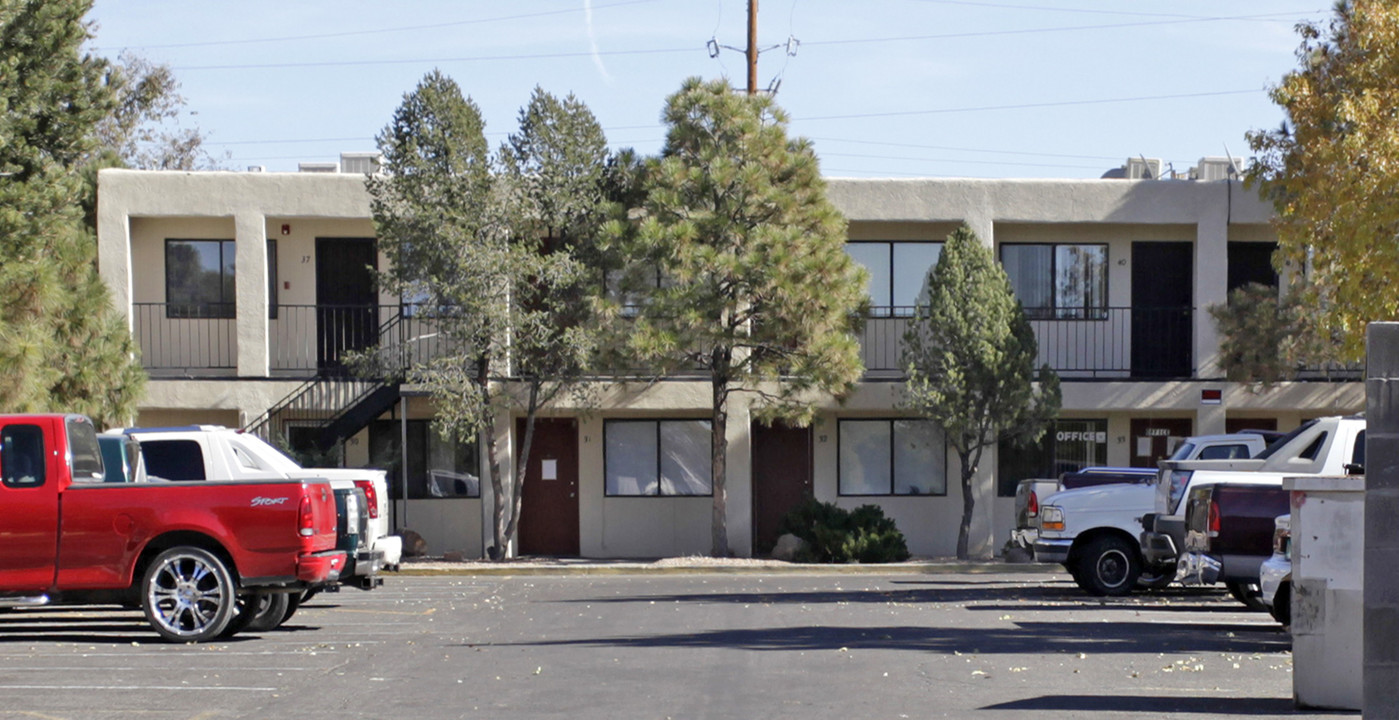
(1282,605)
(1108,566)
(293,604)
(259,612)
(188,595)
(1246,593)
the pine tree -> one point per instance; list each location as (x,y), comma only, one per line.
(738,266)
(970,358)
(62,347)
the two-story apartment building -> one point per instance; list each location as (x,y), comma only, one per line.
(244,291)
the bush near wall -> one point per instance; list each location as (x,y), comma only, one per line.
(835,535)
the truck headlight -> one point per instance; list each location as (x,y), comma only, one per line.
(1051,518)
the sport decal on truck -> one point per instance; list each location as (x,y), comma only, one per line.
(264,501)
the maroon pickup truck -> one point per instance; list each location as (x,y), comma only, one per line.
(193,556)
(1229,533)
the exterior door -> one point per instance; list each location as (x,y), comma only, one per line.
(549,508)
(29,496)
(347,306)
(1162,293)
(1156,438)
(781,479)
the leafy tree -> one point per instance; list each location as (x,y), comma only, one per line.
(492,251)
(1332,171)
(970,358)
(143,130)
(62,347)
(737,266)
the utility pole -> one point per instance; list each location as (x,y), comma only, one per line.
(752,47)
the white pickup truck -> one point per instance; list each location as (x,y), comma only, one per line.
(198,452)
(1327,446)
(1093,531)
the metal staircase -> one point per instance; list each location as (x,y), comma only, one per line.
(336,404)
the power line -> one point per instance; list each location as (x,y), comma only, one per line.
(661,51)
(1048,8)
(952,160)
(379,31)
(963,149)
(1026,106)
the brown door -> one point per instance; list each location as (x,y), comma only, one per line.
(549,508)
(1156,438)
(1234,425)
(781,479)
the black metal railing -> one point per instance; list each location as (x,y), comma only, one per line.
(186,339)
(1108,342)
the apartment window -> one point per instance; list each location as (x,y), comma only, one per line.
(891,457)
(437,467)
(898,271)
(1059,281)
(657,458)
(1067,446)
(199,279)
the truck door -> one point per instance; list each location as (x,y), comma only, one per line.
(30,473)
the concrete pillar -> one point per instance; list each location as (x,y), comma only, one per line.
(738,512)
(250,278)
(1381,585)
(114,253)
(1209,419)
(1211,275)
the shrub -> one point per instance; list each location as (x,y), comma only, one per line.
(834,535)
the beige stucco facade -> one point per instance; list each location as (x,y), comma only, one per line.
(231,370)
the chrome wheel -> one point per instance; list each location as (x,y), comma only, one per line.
(188,595)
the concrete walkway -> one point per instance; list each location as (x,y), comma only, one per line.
(699,564)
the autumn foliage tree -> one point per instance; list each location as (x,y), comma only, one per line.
(1332,172)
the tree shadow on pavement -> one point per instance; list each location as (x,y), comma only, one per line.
(1026,637)
(1155,705)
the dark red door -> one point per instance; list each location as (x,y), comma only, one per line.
(549,508)
(1156,438)
(781,479)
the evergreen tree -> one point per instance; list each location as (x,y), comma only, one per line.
(970,358)
(62,347)
(738,268)
(495,247)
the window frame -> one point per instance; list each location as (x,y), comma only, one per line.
(200,310)
(660,459)
(1057,311)
(892,309)
(893,457)
(1051,436)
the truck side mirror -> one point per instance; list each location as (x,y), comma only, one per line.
(1354,469)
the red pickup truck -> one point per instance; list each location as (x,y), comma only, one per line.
(191,555)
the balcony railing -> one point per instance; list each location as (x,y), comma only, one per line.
(184,339)
(1112,342)
(303,340)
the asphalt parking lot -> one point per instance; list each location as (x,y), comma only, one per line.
(695,645)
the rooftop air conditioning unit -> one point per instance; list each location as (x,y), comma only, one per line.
(1217,168)
(361,163)
(1139,168)
(318,167)
(257,168)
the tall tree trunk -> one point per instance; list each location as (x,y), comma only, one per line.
(517,490)
(718,456)
(502,540)
(968,503)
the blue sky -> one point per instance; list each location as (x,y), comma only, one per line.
(884,88)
